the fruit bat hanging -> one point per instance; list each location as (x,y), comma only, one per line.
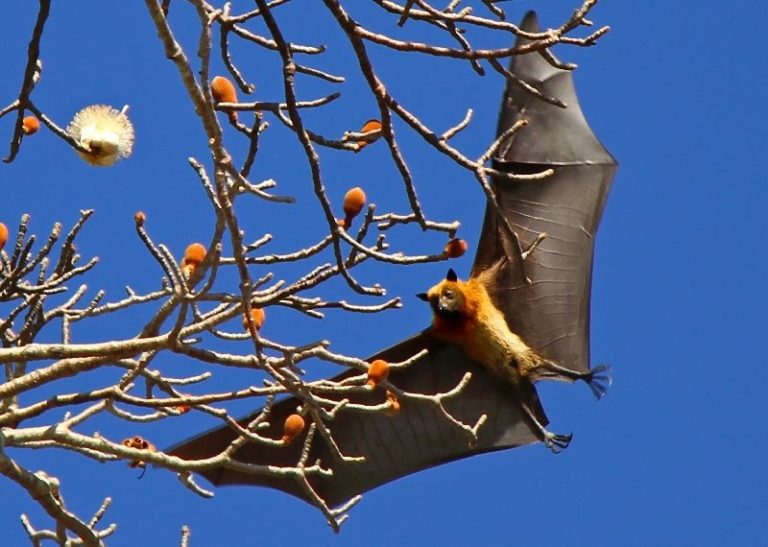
(544,299)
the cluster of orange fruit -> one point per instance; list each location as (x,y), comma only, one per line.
(194,255)
(138,443)
(223,91)
(378,371)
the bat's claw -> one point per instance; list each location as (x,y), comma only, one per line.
(599,380)
(557,443)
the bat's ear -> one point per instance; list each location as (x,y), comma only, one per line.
(451,275)
(423,296)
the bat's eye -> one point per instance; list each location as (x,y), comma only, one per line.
(448,293)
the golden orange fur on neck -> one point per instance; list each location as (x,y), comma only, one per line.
(447,329)
(473,296)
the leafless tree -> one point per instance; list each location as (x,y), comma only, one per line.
(40,284)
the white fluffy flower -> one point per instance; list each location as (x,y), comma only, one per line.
(105,131)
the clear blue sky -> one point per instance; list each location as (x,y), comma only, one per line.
(673,455)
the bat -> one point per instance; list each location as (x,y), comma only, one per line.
(544,298)
(465,315)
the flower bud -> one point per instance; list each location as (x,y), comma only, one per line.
(294,425)
(257,316)
(455,248)
(3,235)
(354,201)
(30,125)
(369,127)
(224,92)
(377,372)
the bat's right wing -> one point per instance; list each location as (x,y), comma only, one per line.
(545,297)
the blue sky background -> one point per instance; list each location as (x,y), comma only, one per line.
(674,455)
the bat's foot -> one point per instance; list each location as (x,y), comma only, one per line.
(556,443)
(599,380)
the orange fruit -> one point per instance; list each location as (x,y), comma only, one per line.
(294,425)
(455,248)
(257,316)
(377,372)
(3,235)
(354,201)
(368,127)
(194,254)
(30,125)
(224,92)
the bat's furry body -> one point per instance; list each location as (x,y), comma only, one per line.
(466,316)
(536,326)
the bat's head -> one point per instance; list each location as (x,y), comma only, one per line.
(447,298)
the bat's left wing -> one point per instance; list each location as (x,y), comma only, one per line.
(417,437)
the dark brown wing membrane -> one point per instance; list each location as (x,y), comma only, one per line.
(551,312)
(417,437)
